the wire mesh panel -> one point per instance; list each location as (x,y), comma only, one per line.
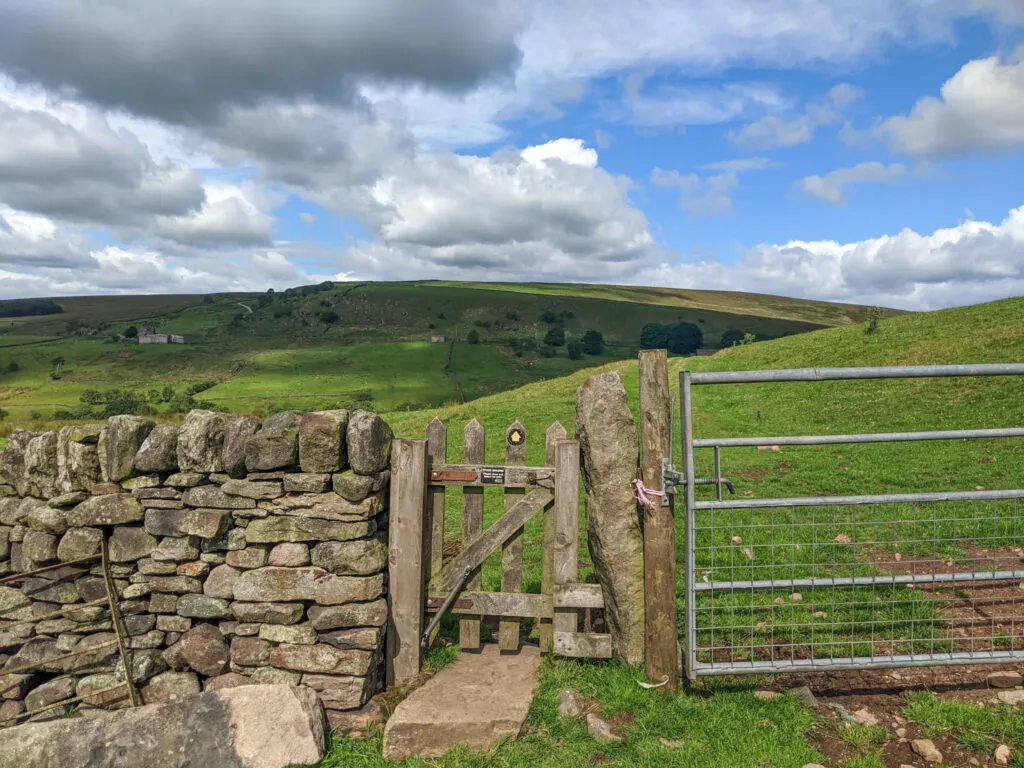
(871,584)
(826,582)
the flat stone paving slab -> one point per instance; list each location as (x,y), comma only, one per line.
(476,701)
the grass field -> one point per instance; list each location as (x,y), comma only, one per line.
(721,723)
(362,345)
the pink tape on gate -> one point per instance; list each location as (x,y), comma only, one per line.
(644,496)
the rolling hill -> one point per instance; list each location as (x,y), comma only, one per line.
(354,344)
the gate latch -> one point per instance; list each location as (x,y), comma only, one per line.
(670,478)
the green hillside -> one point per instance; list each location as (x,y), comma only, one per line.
(354,344)
(732,726)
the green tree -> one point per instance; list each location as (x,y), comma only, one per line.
(329,318)
(130,331)
(654,336)
(555,337)
(731,338)
(874,318)
(684,338)
(547,316)
(473,337)
(3,414)
(575,350)
(593,342)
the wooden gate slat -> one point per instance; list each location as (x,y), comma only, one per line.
(545,630)
(433,543)
(524,605)
(578,596)
(487,543)
(566,514)
(472,526)
(512,551)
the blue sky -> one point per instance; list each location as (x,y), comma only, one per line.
(854,150)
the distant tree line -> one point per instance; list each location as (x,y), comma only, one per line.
(96,403)
(677,338)
(29,308)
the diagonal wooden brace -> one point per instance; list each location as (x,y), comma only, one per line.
(488,542)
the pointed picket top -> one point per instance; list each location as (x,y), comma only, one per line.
(515,440)
(437,439)
(553,434)
(473,440)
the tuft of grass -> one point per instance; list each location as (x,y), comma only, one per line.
(977,726)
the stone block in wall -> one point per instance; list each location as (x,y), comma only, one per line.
(146,664)
(268,613)
(150,640)
(249,557)
(369,614)
(41,466)
(326,506)
(12,460)
(47,519)
(355,487)
(51,691)
(274,584)
(152,567)
(296,634)
(250,651)
(69,499)
(276,445)
(253,490)
(290,555)
(204,523)
(245,629)
(213,497)
(359,638)
(140,482)
(119,443)
(128,544)
(277,529)
(203,607)
(163,504)
(177,549)
(340,691)
(178,585)
(103,489)
(201,442)
(185,480)
(236,436)
(322,443)
(306,483)
(11,510)
(91,588)
(95,690)
(271,676)
(163,603)
(78,461)
(39,548)
(109,509)
(170,686)
(227,680)
(17,533)
(323,659)
(14,606)
(157,494)
(5,543)
(369,443)
(197,568)
(159,451)
(205,650)
(137,590)
(44,590)
(139,624)
(220,583)
(359,557)
(173,623)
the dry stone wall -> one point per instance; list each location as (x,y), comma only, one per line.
(240,552)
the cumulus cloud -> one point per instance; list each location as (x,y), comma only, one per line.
(676,106)
(710,195)
(67,161)
(185,60)
(230,215)
(829,188)
(972,262)
(981,108)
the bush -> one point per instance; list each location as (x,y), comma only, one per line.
(130,331)
(568,314)
(874,318)
(512,315)
(208,299)
(654,336)
(3,414)
(575,350)
(200,386)
(473,337)
(555,337)
(329,318)
(12,367)
(593,342)
(547,316)
(548,352)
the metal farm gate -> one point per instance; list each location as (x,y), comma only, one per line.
(849,582)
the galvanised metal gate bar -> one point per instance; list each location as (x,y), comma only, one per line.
(886,576)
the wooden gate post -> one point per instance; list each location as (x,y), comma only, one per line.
(661,655)
(405,559)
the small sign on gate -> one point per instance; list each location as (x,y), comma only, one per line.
(492,475)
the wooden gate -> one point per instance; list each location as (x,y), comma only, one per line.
(422,576)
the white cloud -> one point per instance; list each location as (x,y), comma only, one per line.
(230,215)
(981,108)
(709,195)
(829,188)
(972,262)
(571,151)
(774,131)
(742,165)
(307,218)
(676,106)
